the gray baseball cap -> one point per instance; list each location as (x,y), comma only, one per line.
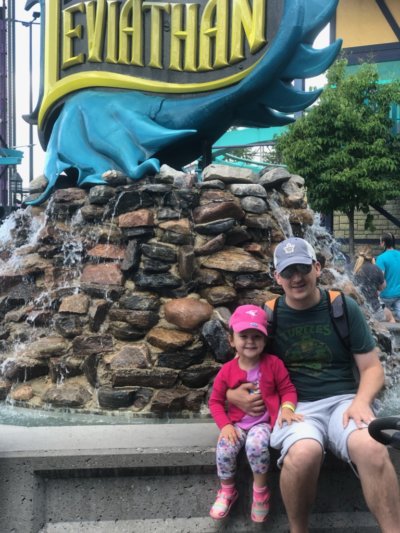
(293,251)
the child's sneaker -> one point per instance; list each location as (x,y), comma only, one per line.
(223,504)
(260,506)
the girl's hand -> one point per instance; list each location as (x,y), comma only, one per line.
(228,433)
(288,416)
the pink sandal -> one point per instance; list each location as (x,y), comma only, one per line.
(223,504)
(260,508)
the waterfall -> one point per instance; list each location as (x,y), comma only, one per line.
(86,284)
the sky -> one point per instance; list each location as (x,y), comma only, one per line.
(23,88)
(22,84)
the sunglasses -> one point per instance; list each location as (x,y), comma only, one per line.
(289,271)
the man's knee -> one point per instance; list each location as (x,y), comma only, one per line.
(363,449)
(304,455)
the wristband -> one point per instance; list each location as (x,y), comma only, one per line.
(288,405)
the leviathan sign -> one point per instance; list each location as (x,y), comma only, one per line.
(127,84)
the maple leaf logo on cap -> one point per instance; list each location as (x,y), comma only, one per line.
(289,248)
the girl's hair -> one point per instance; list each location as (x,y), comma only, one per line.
(388,240)
(364,254)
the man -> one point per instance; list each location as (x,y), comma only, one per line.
(336,406)
(389,262)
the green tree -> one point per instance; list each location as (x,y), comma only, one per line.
(346,146)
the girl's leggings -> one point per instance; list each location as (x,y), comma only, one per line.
(256,441)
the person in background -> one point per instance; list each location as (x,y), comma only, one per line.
(371,280)
(248,336)
(337,407)
(389,263)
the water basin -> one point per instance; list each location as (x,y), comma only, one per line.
(22,416)
(16,415)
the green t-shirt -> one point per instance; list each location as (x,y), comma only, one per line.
(318,363)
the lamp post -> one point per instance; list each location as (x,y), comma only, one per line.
(35,15)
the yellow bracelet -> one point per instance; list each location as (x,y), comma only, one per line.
(288,406)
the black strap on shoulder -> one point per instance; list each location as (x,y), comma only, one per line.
(338,311)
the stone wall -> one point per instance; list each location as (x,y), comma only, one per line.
(381,225)
(118,297)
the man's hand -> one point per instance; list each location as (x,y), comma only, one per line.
(287,415)
(371,382)
(247,399)
(360,412)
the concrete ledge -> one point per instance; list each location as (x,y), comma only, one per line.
(145,477)
(339,522)
(110,439)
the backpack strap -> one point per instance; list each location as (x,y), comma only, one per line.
(270,308)
(338,311)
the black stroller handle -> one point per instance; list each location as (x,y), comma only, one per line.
(377,427)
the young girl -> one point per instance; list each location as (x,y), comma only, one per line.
(271,379)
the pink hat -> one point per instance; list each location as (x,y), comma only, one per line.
(249,317)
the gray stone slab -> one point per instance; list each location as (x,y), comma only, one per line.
(17,440)
(146,477)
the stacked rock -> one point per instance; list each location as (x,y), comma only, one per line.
(119,296)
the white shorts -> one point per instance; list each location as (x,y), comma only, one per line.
(323,422)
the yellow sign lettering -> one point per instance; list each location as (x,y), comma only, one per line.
(69,34)
(184,37)
(253,24)
(214,29)
(112,31)
(130,34)
(127,37)
(95,24)
(156,37)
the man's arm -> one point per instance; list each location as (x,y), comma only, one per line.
(371,382)
(251,403)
